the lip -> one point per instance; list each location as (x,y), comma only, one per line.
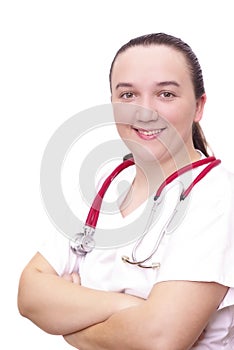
(148,134)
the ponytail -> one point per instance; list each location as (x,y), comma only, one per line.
(199,140)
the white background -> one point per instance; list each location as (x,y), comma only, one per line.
(55,58)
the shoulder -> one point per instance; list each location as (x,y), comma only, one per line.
(221,173)
(216,186)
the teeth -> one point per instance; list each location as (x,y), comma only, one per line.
(150,132)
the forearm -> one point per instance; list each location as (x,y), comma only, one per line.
(158,322)
(61,307)
(124,330)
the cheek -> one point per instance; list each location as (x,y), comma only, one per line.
(180,123)
(122,129)
(182,117)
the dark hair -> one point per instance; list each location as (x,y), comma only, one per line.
(199,139)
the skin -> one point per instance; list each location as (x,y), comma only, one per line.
(158,82)
(176,312)
(59,304)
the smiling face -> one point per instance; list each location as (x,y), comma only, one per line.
(158,79)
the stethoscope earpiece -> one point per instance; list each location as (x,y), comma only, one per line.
(140,263)
(125,258)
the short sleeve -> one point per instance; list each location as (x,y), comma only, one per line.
(56,250)
(202,247)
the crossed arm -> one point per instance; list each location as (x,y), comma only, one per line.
(172,317)
(58,306)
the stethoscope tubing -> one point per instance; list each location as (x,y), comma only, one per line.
(94,211)
(85,243)
(213,162)
(158,241)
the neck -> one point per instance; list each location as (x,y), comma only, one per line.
(154,173)
(150,175)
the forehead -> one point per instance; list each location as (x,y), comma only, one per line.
(158,61)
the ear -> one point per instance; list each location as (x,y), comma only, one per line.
(200,108)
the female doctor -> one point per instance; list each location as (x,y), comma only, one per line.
(181,296)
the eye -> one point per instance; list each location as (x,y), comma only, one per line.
(167,95)
(127,95)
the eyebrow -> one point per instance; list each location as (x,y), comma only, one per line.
(160,84)
(168,82)
(123,85)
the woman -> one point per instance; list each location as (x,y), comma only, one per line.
(187,300)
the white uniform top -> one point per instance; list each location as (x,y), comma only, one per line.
(199,248)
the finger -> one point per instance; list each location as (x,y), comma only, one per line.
(75,277)
(67,277)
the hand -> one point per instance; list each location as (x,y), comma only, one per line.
(73,277)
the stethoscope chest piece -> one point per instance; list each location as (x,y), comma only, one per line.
(83,242)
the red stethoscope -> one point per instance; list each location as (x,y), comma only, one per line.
(84,242)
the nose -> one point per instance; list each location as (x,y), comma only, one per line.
(147,110)
(145,114)
(131,113)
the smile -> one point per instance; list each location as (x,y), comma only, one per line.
(148,134)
